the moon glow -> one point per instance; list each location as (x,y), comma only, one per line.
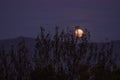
(79,33)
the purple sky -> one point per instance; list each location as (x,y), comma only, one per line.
(23,17)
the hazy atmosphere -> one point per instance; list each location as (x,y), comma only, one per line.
(59,39)
(24,17)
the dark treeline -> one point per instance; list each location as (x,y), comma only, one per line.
(59,57)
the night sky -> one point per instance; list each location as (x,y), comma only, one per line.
(24,17)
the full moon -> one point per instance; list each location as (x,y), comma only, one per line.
(79,33)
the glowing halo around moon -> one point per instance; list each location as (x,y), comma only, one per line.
(79,33)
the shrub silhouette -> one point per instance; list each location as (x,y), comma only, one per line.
(46,73)
(59,57)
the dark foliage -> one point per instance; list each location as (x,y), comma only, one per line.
(59,57)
